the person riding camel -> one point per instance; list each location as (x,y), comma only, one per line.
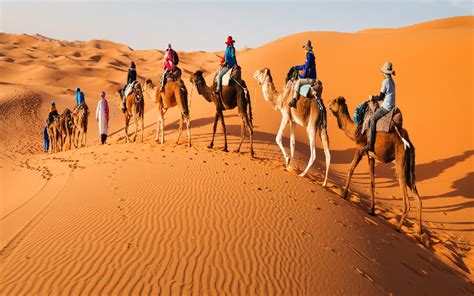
(309,74)
(387,94)
(52,112)
(80,99)
(227,63)
(131,77)
(170,61)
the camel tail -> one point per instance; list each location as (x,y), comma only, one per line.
(322,122)
(410,166)
(249,102)
(184,96)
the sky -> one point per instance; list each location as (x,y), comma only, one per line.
(205,25)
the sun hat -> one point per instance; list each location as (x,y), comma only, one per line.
(387,68)
(229,40)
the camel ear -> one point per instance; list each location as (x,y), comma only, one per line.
(265,72)
(341,100)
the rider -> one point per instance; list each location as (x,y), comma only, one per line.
(228,61)
(52,112)
(131,77)
(387,94)
(309,74)
(170,61)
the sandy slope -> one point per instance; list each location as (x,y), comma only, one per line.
(136,218)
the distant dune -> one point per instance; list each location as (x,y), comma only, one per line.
(166,219)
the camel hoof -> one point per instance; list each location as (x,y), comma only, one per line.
(372,213)
(210,146)
(302,175)
(325,184)
(225,150)
(425,240)
(237,150)
(252,154)
(287,161)
(345,195)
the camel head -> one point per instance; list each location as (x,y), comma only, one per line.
(148,85)
(337,105)
(263,76)
(200,83)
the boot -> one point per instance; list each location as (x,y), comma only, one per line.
(162,88)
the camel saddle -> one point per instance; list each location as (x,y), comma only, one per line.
(129,88)
(174,75)
(384,124)
(234,73)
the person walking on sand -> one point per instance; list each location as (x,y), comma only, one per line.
(102,116)
(387,94)
(309,74)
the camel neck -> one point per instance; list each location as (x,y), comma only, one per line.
(346,123)
(205,91)
(271,95)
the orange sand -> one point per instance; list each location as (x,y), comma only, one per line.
(142,217)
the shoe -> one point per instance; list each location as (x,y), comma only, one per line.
(292,103)
(162,89)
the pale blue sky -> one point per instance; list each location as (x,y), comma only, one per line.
(204,25)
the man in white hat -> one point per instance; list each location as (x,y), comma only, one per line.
(387,94)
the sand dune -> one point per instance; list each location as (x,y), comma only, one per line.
(147,218)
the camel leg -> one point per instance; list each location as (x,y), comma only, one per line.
(188,126)
(327,154)
(135,118)
(372,185)
(127,122)
(292,141)
(406,202)
(311,130)
(250,128)
(242,135)
(279,138)
(142,119)
(158,125)
(214,130)
(418,201)
(162,128)
(180,128)
(221,115)
(355,162)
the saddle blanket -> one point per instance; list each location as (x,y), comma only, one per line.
(386,123)
(304,90)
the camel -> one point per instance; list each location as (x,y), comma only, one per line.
(306,114)
(80,118)
(233,95)
(388,147)
(175,94)
(135,106)
(54,135)
(66,128)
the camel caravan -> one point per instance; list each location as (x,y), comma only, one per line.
(376,129)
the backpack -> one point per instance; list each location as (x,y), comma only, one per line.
(360,111)
(175,57)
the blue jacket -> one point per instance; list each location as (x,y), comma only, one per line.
(230,59)
(79,97)
(309,68)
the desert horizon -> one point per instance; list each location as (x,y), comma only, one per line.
(129,218)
